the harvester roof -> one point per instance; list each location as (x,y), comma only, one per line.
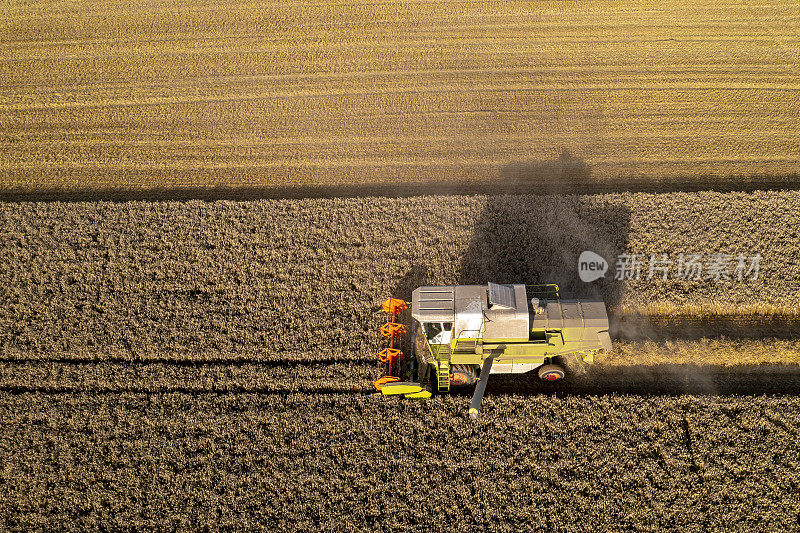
(496,311)
(499,311)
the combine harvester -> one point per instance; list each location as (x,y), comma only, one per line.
(462,334)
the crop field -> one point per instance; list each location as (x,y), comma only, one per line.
(168,362)
(293,280)
(277,96)
(348,462)
(205,364)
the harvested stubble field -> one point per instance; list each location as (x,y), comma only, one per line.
(207,364)
(293,94)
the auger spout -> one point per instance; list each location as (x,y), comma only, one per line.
(480,388)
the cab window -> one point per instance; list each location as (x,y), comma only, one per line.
(438,331)
(432,329)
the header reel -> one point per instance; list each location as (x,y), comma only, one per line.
(392,362)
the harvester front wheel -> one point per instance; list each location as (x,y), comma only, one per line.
(551,372)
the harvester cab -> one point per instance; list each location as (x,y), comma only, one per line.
(461,334)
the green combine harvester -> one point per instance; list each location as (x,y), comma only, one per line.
(461,334)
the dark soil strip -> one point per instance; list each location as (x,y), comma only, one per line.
(662,380)
(659,328)
(400,190)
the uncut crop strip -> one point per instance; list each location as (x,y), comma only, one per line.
(708,350)
(61,377)
(303,280)
(343,461)
(282,95)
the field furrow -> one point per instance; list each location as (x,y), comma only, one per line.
(70,377)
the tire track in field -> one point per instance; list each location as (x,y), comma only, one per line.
(780,133)
(698,465)
(780,422)
(189,377)
(371,162)
(438,89)
(667,72)
(356,378)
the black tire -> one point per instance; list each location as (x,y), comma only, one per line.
(463,376)
(551,373)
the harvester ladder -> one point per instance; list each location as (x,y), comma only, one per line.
(444,375)
(443,367)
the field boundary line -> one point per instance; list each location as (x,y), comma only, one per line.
(397,190)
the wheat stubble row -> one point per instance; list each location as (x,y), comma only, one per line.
(319,93)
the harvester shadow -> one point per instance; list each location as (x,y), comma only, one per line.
(417,276)
(660,380)
(566,174)
(535,239)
